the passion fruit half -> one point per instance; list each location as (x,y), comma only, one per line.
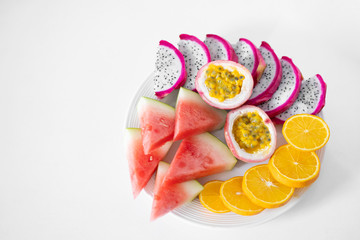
(250,134)
(224,84)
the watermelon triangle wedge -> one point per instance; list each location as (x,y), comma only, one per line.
(199,156)
(141,166)
(157,122)
(167,197)
(195,116)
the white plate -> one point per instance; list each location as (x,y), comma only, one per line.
(194,211)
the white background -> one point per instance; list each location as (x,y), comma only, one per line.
(68,71)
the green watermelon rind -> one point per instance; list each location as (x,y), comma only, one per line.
(192,187)
(205,154)
(131,136)
(131,131)
(188,94)
(159,106)
(148,108)
(224,149)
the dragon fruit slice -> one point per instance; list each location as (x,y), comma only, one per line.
(287,92)
(270,79)
(250,57)
(170,70)
(196,55)
(219,48)
(311,99)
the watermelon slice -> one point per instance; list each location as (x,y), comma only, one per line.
(199,156)
(141,166)
(157,121)
(195,116)
(170,196)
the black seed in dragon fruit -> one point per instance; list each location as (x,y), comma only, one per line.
(196,54)
(311,99)
(219,48)
(250,57)
(270,79)
(287,91)
(170,72)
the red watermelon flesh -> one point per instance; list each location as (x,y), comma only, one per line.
(141,166)
(157,122)
(199,156)
(195,116)
(167,197)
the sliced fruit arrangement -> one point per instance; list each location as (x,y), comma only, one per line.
(234,198)
(272,185)
(196,54)
(250,57)
(170,72)
(170,196)
(288,90)
(199,156)
(141,165)
(210,197)
(311,99)
(157,122)
(238,74)
(263,189)
(306,132)
(250,134)
(220,49)
(270,79)
(293,167)
(194,116)
(224,84)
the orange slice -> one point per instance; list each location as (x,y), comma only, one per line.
(263,189)
(234,198)
(306,132)
(294,168)
(210,197)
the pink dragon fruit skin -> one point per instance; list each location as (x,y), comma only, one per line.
(162,84)
(196,55)
(311,99)
(228,55)
(261,67)
(270,79)
(286,94)
(322,97)
(250,57)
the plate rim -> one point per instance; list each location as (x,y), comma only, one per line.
(277,211)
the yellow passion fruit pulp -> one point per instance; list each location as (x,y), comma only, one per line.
(251,133)
(223,83)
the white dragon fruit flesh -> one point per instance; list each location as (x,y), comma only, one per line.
(170,70)
(311,99)
(250,57)
(219,48)
(196,55)
(287,91)
(270,79)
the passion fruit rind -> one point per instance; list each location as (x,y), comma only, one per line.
(231,87)
(255,139)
